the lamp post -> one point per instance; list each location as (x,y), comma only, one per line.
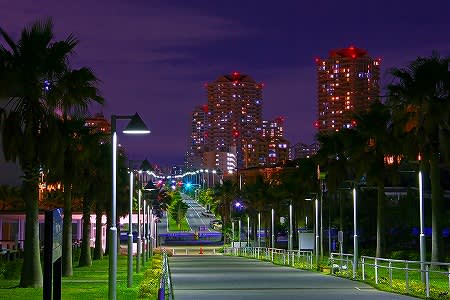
(214,173)
(422,235)
(259,229)
(207,178)
(316,227)
(273,229)
(144,167)
(290,228)
(248,231)
(130,235)
(150,186)
(240,232)
(355,237)
(135,126)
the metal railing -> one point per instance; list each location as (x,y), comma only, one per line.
(165,284)
(389,270)
(294,258)
(423,270)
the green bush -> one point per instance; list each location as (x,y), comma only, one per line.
(11,269)
(148,288)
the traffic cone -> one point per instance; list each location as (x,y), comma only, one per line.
(201,250)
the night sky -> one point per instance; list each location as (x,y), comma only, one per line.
(155,56)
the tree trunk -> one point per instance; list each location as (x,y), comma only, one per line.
(436,208)
(67,268)
(380,221)
(31,275)
(98,250)
(85,255)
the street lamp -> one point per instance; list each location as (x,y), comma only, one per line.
(259,229)
(422,235)
(135,126)
(290,228)
(130,235)
(355,237)
(150,186)
(316,227)
(273,229)
(144,167)
(214,173)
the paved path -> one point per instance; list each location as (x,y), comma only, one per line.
(224,277)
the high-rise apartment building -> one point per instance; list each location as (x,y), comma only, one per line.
(197,138)
(348,82)
(271,148)
(273,128)
(235,115)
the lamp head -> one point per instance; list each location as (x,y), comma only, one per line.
(136,126)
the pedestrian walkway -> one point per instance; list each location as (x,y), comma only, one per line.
(225,277)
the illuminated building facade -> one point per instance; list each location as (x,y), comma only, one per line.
(271,147)
(197,139)
(302,150)
(348,82)
(98,123)
(235,115)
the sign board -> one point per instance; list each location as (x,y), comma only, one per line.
(57,234)
(306,240)
(340,236)
(52,254)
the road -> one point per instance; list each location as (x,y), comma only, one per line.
(194,217)
(224,277)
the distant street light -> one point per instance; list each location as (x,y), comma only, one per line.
(135,126)
(150,186)
(316,228)
(355,237)
(273,229)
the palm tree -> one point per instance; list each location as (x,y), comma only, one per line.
(28,70)
(371,143)
(420,99)
(76,89)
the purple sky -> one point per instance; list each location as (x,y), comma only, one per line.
(155,56)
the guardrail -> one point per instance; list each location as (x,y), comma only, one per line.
(292,258)
(373,268)
(165,284)
(423,270)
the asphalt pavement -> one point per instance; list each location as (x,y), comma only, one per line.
(225,277)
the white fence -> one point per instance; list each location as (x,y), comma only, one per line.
(280,256)
(376,269)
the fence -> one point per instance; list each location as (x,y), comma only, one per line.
(383,270)
(294,258)
(165,284)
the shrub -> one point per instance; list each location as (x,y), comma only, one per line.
(148,288)
(11,269)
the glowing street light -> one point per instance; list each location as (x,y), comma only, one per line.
(135,126)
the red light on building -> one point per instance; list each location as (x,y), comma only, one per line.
(316,124)
(205,108)
(235,133)
(317,60)
(205,85)
(353,123)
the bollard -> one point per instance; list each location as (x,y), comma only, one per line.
(363,275)
(427,281)
(407,278)
(390,273)
(376,272)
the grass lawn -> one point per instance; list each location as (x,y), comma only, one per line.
(174,227)
(86,283)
